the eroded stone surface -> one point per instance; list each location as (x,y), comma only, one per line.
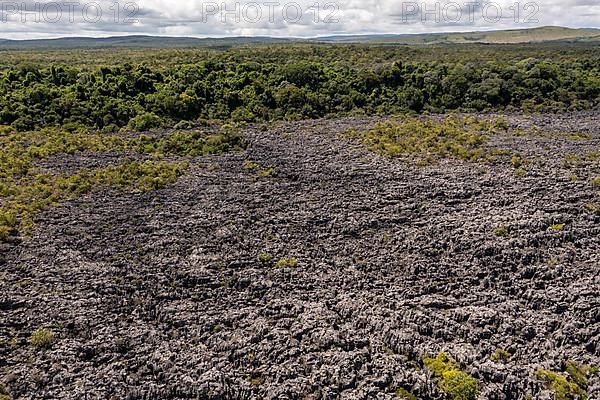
(160,295)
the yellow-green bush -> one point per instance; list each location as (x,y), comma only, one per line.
(4,393)
(287,263)
(573,385)
(500,355)
(451,379)
(42,338)
(428,139)
(194,143)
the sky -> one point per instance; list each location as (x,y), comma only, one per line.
(29,19)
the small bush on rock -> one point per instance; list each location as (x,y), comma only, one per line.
(500,355)
(565,388)
(287,262)
(452,380)
(405,394)
(42,338)
(144,122)
(265,258)
(502,231)
(4,393)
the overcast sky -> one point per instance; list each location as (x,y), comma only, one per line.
(29,19)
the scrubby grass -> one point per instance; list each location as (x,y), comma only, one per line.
(265,258)
(572,161)
(25,190)
(593,208)
(4,393)
(42,338)
(502,231)
(260,170)
(429,140)
(500,355)
(193,144)
(405,394)
(452,380)
(572,386)
(287,263)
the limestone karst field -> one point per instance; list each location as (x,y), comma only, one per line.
(316,260)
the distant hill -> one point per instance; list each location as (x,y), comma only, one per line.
(534,35)
(137,41)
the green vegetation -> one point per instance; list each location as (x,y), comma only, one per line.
(42,338)
(25,189)
(517,161)
(261,171)
(500,355)
(4,393)
(593,208)
(268,173)
(147,89)
(452,380)
(579,373)
(502,231)
(265,258)
(250,165)
(287,263)
(405,394)
(520,172)
(571,386)
(427,139)
(193,144)
(578,161)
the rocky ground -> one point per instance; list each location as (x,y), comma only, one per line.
(161,296)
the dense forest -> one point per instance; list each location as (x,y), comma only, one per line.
(152,89)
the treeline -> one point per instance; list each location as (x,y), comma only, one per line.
(259,88)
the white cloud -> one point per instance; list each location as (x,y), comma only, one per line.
(30,19)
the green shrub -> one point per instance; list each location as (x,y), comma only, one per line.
(42,338)
(457,383)
(520,172)
(250,165)
(144,122)
(579,373)
(517,161)
(427,139)
(261,171)
(564,388)
(184,125)
(8,222)
(502,231)
(287,263)
(405,394)
(193,144)
(501,124)
(268,173)
(265,258)
(500,355)
(4,393)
